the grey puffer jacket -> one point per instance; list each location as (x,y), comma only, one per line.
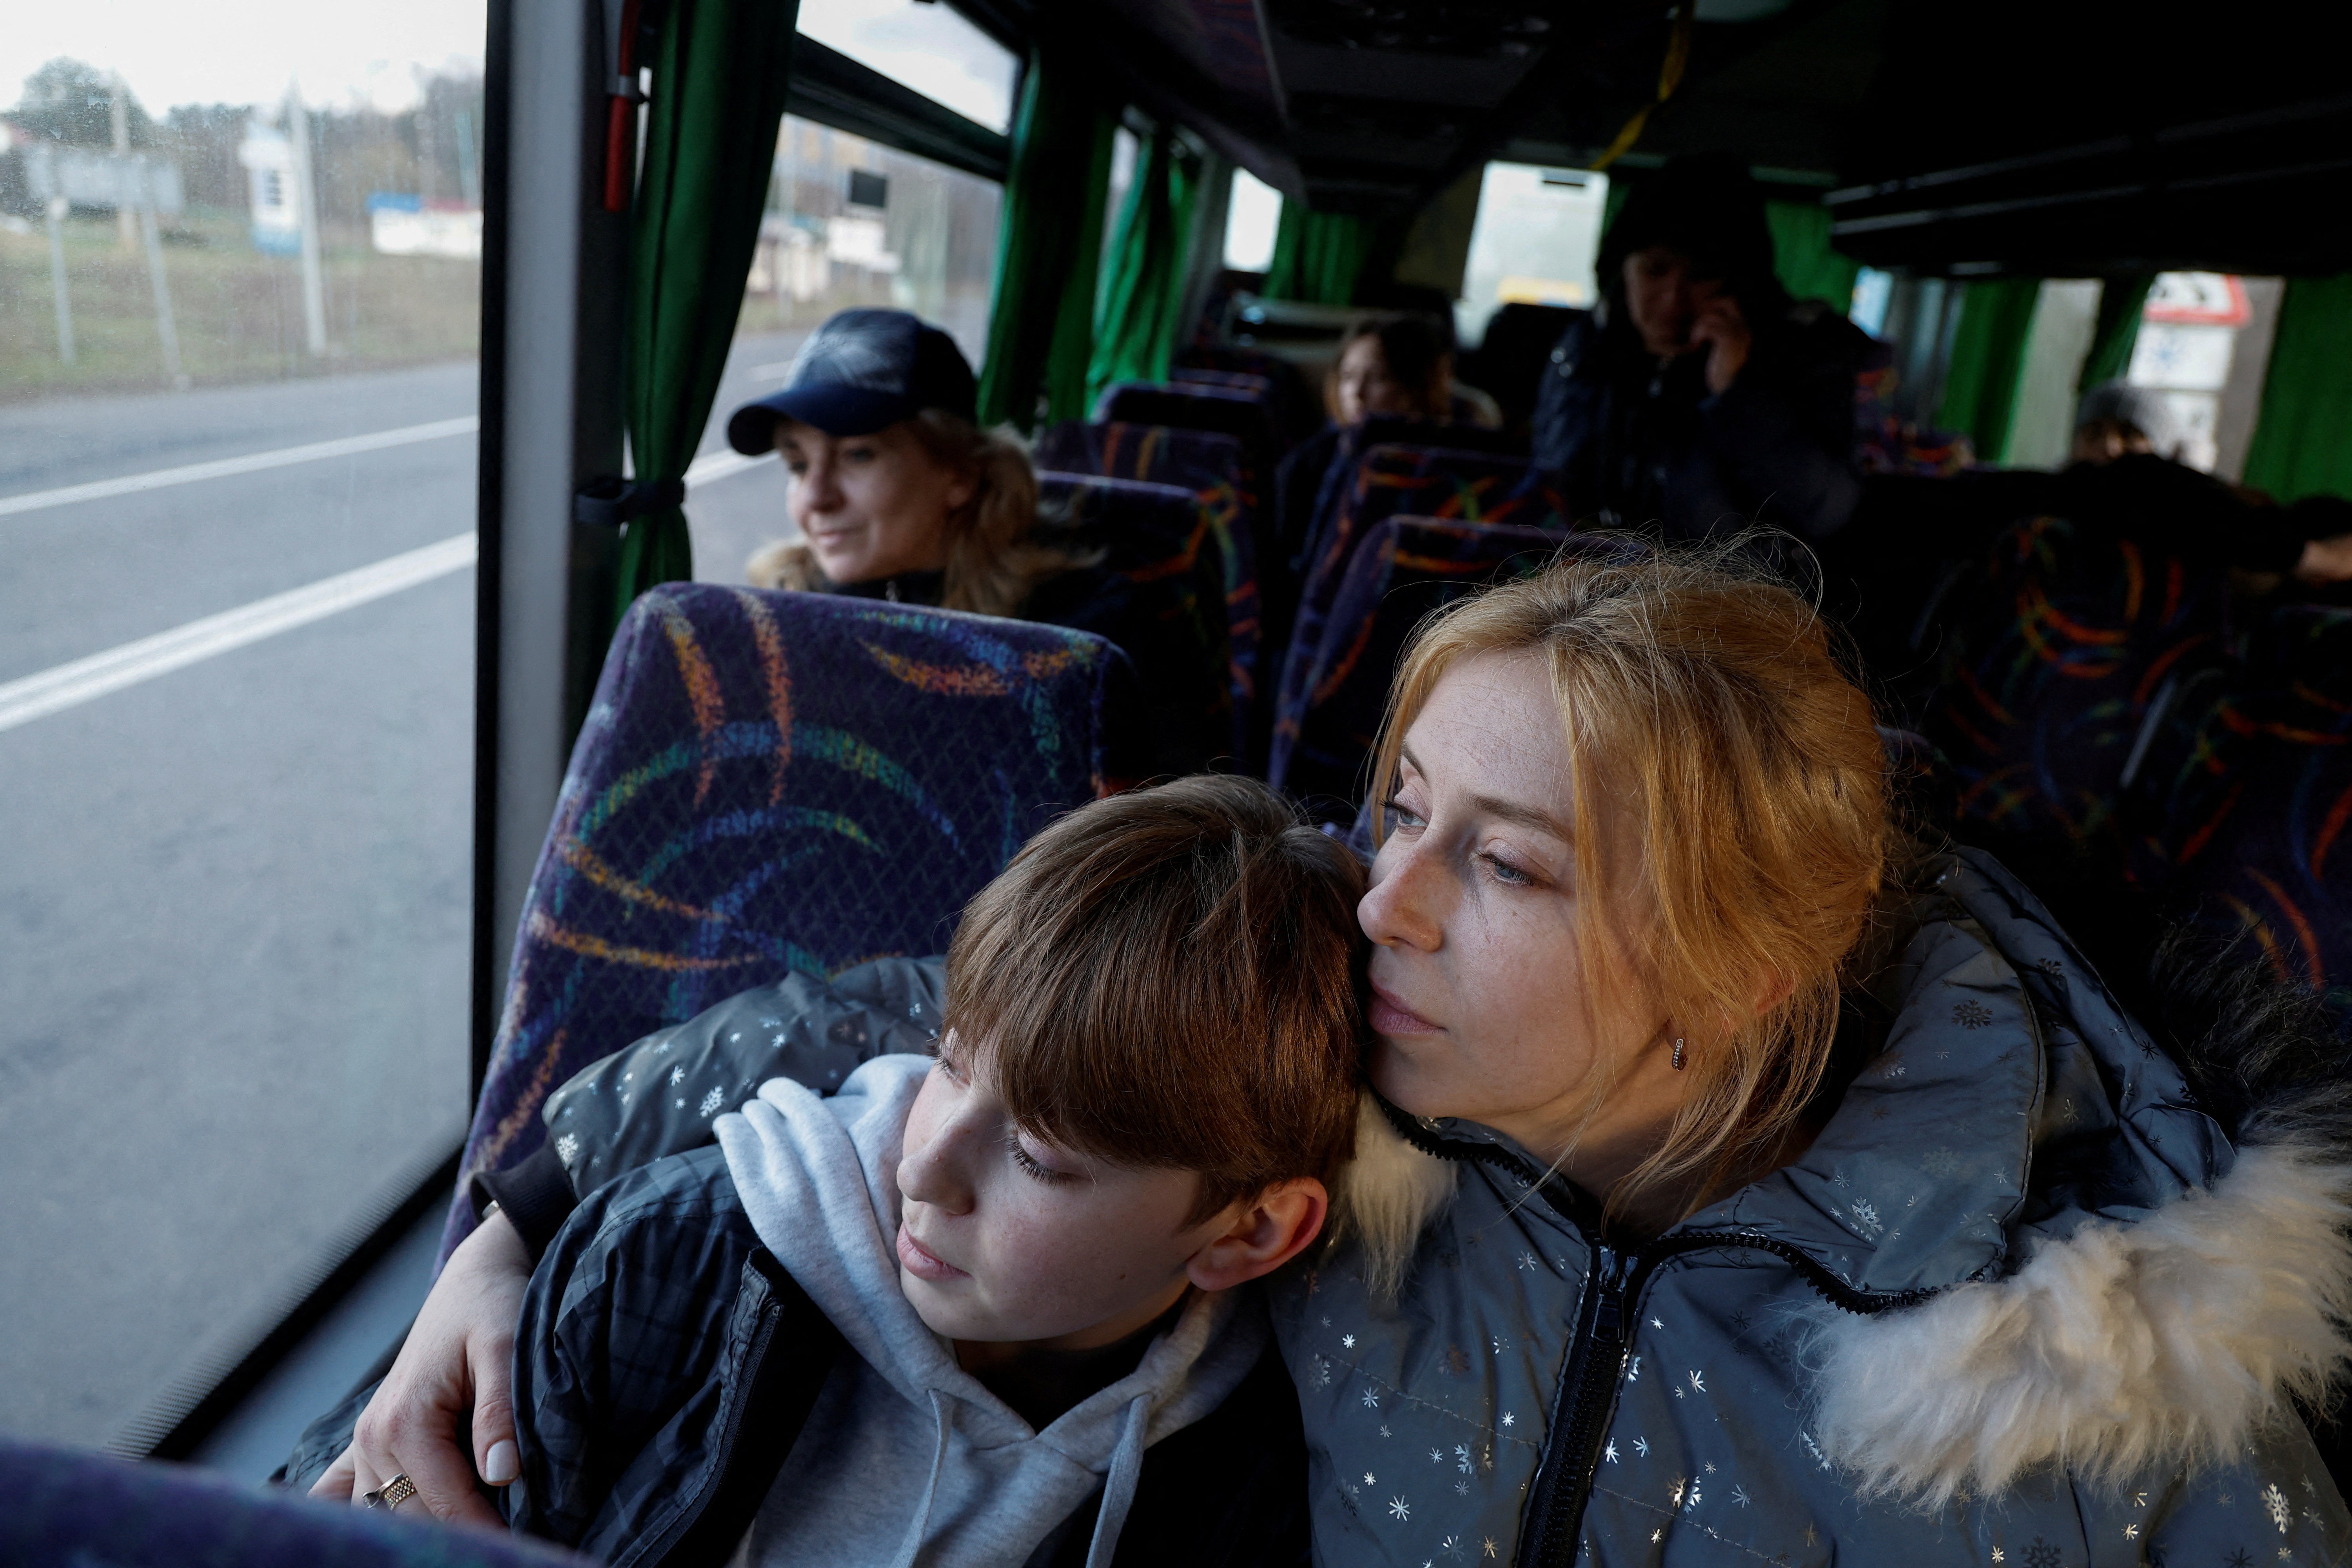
(2022,1301)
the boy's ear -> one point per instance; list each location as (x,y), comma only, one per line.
(1260,1234)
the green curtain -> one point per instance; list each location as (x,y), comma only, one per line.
(1317,257)
(1137,323)
(719,70)
(1048,248)
(1988,361)
(1809,266)
(2121,299)
(2302,436)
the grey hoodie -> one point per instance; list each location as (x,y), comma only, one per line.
(906,1458)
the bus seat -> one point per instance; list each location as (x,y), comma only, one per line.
(771,782)
(1162,548)
(1453,486)
(1297,403)
(2257,802)
(1210,466)
(1406,567)
(1192,405)
(2048,683)
(1887,443)
(1248,382)
(90,1510)
(1304,526)
(1509,361)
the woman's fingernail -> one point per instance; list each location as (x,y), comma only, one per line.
(501,1465)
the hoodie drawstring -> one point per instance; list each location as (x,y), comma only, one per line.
(944,1426)
(1118,1486)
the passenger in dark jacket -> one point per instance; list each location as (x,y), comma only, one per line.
(1698,397)
(951,1311)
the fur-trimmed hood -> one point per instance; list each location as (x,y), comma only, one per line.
(2171,1266)
(2042,1276)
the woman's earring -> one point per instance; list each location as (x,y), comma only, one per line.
(1678,1056)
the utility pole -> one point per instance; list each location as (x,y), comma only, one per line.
(305,199)
(126,221)
(166,331)
(57,208)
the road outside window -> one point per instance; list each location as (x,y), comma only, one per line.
(239,293)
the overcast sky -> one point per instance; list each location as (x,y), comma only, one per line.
(246,51)
(370,51)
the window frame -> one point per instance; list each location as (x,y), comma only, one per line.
(830,89)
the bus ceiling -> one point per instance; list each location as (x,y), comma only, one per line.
(2045,137)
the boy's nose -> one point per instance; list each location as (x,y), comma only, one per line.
(931,1175)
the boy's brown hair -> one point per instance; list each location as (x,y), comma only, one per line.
(1168,978)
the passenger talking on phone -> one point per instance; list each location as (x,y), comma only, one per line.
(1698,396)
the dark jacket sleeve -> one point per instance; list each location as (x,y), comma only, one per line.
(660,1095)
(621,1354)
(1784,428)
(1570,409)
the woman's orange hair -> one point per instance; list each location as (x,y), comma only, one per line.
(1702,695)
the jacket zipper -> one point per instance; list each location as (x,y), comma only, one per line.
(1596,1358)
(660,1551)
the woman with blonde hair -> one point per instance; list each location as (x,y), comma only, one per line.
(899,494)
(1740,1187)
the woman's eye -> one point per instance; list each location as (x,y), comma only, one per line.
(1404,815)
(859,453)
(1507,873)
(797,470)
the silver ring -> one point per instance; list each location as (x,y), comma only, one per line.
(389,1495)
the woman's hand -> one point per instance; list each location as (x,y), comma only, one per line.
(458,1357)
(1722,330)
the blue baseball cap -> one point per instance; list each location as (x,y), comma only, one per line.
(861,370)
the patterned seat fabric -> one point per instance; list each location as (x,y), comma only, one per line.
(1419,482)
(1296,403)
(1163,542)
(84,1510)
(1407,567)
(1388,430)
(2255,805)
(1887,443)
(1211,466)
(773,782)
(1194,406)
(2050,678)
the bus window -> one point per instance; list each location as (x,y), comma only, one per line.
(849,221)
(1532,242)
(237,405)
(1250,223)
(929,47)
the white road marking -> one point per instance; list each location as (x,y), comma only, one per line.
(226,467)
(68,685)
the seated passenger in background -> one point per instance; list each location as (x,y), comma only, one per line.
(2127,476)
(981,1307)
(1697,396)
(898,494)
(1398,368)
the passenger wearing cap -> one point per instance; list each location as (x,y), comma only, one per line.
(1698,395)
(899,494)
